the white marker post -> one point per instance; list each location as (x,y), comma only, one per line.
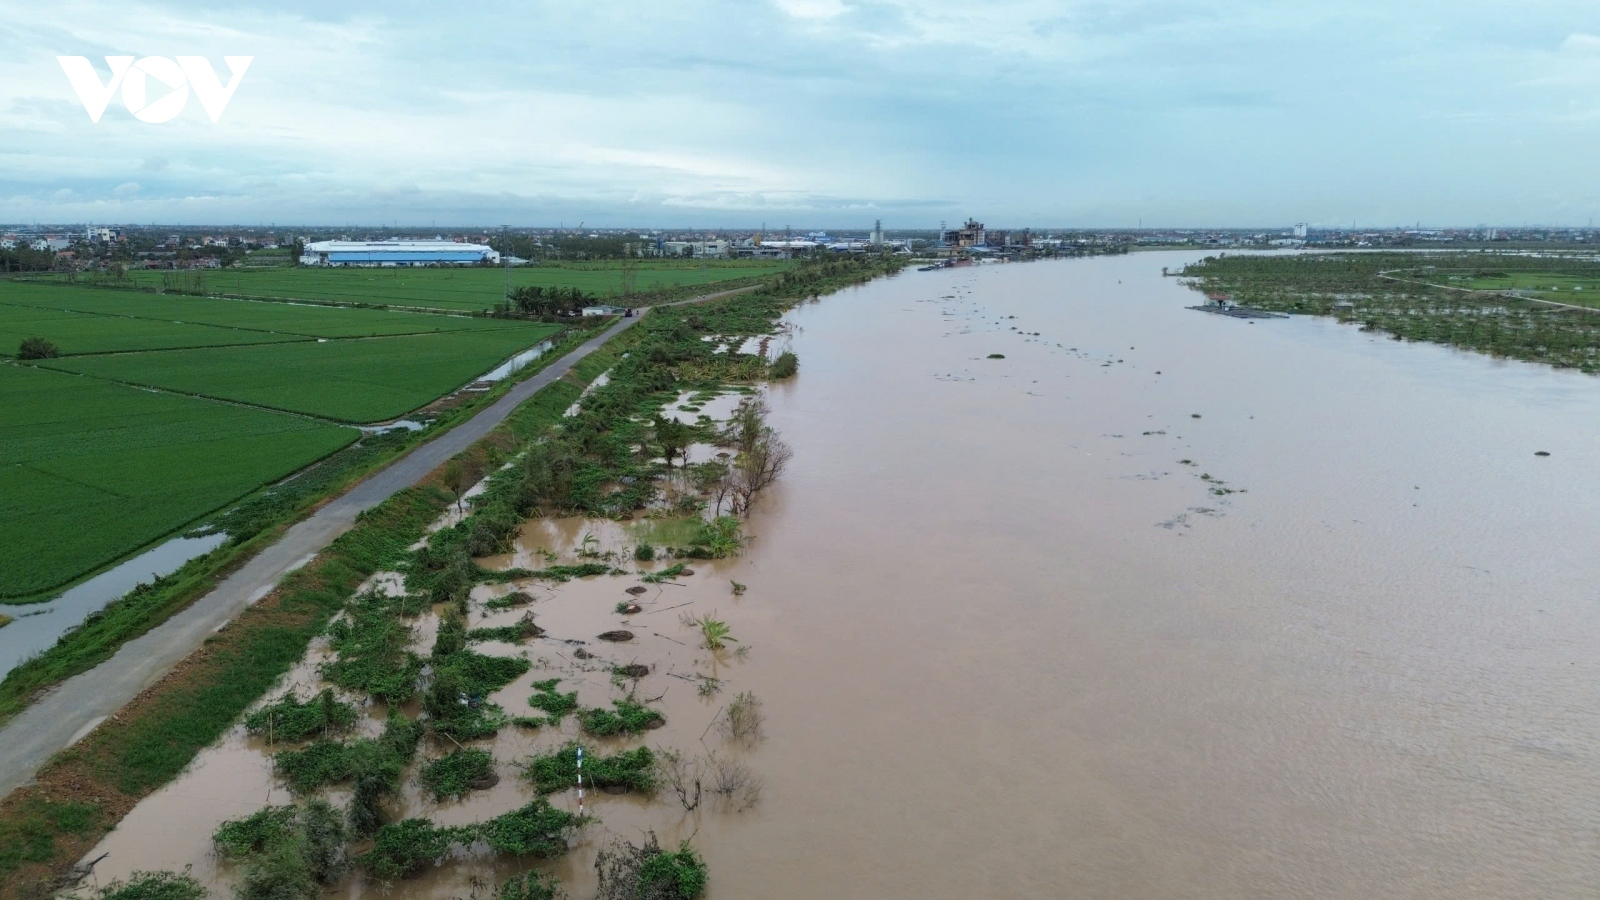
(580,779)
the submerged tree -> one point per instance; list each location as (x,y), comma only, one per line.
(632,872)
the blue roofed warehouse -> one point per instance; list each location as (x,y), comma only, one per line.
(396,253)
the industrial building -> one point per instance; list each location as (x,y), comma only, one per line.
(396,253)
(972,234)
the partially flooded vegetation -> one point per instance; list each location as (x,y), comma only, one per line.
(425,636)
(1466,300)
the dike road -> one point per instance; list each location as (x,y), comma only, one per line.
(71,709)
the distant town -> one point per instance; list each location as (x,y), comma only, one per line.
(87,246)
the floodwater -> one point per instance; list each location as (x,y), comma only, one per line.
(1159,604)
(516,363)
(38,626)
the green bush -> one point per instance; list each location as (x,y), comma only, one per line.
(406,848)
(375,770)
(454,775)
(452,636)
(264,828)
(37,348)
(372,648)
(784,366)
(633,872)
(461,681)
(291,720)
(628,717)
(552,702)
(537,829)
(285,851)
(680,874)
(154,886)
(530,886)
(320,763)
(558,769)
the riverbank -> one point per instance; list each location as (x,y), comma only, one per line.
(118,774)
(1394,294)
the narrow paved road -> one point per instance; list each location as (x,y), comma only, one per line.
(73,708)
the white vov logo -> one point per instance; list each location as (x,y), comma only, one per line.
(134,78)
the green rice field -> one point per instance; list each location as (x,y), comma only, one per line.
(95,465)
(90,470)
(358,380)
(1578,289)
(250,318)
(78,332)
(463,289)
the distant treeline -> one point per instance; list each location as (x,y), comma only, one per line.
(547,301)
(565,246)
(22,259)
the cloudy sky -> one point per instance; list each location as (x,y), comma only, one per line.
(826,113)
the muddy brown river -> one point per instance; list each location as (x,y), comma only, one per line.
(1160,604)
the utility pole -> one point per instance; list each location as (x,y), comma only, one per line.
(505,259)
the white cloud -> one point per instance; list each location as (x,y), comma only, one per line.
(812,9)
(1583,44)
(1044,111)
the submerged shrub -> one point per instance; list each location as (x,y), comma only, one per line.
(406,848)
(627,717)
(743,720)
(285,851)
(278,874)
(452,637)
(291,720)
(530,886)
(784,366)
(372,648)
(552,702)
(376,774)
(456,702)
(718,538)
(154,886)
(538,830)
(321,763)
(264,828)
(558,770)
(464,770)
(679,874)
(632,872)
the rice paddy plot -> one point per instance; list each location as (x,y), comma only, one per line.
(464,289)
(77,332)
(91,471)
(1577,289)
(353,380)
(293,319)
